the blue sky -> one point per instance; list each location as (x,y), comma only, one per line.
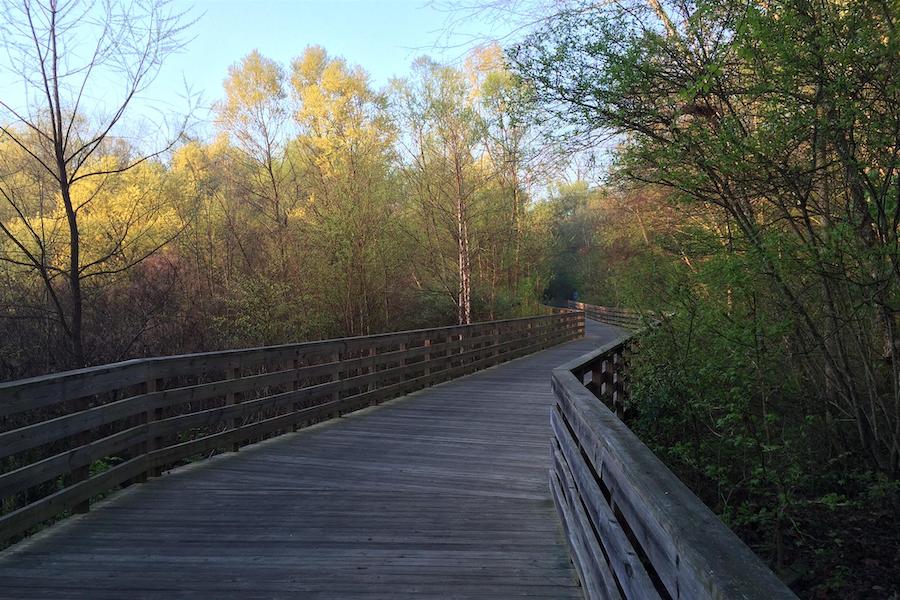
(383,36)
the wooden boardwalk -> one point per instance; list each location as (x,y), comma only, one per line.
(442,493)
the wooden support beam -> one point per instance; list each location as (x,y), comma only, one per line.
(231,399)
(153,385)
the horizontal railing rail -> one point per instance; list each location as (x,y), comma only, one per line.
(634,530)
(68,438)
(621,317)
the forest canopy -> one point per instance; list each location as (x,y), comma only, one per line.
(318,206)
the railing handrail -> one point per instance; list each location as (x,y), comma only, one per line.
(10,389)
(622,317)
(656,538)
(16,383)
(154,412)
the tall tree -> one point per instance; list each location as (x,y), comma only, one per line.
(346,152)
(255,116)
(446,171)
(65,52)
(523,154)
(784,116)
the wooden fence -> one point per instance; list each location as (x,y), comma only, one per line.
(67,438)
(621,317)
(634,530)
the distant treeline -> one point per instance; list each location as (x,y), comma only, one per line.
(321,207)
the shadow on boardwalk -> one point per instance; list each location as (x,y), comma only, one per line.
(442,493)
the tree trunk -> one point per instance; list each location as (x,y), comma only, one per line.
(462,236)
(76,322)
(62,175)
(465,302)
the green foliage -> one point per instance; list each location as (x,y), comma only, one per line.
(756,205)
(261,312)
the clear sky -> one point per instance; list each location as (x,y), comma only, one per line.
(383,36)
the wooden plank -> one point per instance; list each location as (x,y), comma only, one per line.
(19,440)
(471,348)
(19,521)
(47,390)
(37,392)
(604,583)
(49,468)
(45,432)
(630,573)
(594,584)
(240,434)
(237,411)
(655,542)
(692,552)
(577,553)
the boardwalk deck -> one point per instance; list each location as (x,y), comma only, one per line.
(442,493)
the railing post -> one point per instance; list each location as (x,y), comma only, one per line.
(605,379)
(373,368)
(232,399)
(618,394)
(597,376)
(295,406)
(81,473)
(152,385)
(337,378)
(495,343)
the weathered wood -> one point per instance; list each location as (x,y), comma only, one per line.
(600,582)
(630,573)
(19,521)
(45,432)
(620,317)
(184,402)
(638,507)
(593,584)
(439,494)
(152,416)
(81,472)
(36,473)
(37,392)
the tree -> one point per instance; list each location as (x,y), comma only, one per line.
(523,154)
(65,130)
(784,117)
(345,152)
(446,175)
(255,115)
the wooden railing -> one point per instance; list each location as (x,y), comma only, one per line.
(621,317)
(634,530)
(67,438)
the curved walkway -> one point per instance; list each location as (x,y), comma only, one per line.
(442,493)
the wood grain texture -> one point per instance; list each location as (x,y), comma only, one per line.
(629,572)
(229,400)
(658,538)
(619,317)
(442,493)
